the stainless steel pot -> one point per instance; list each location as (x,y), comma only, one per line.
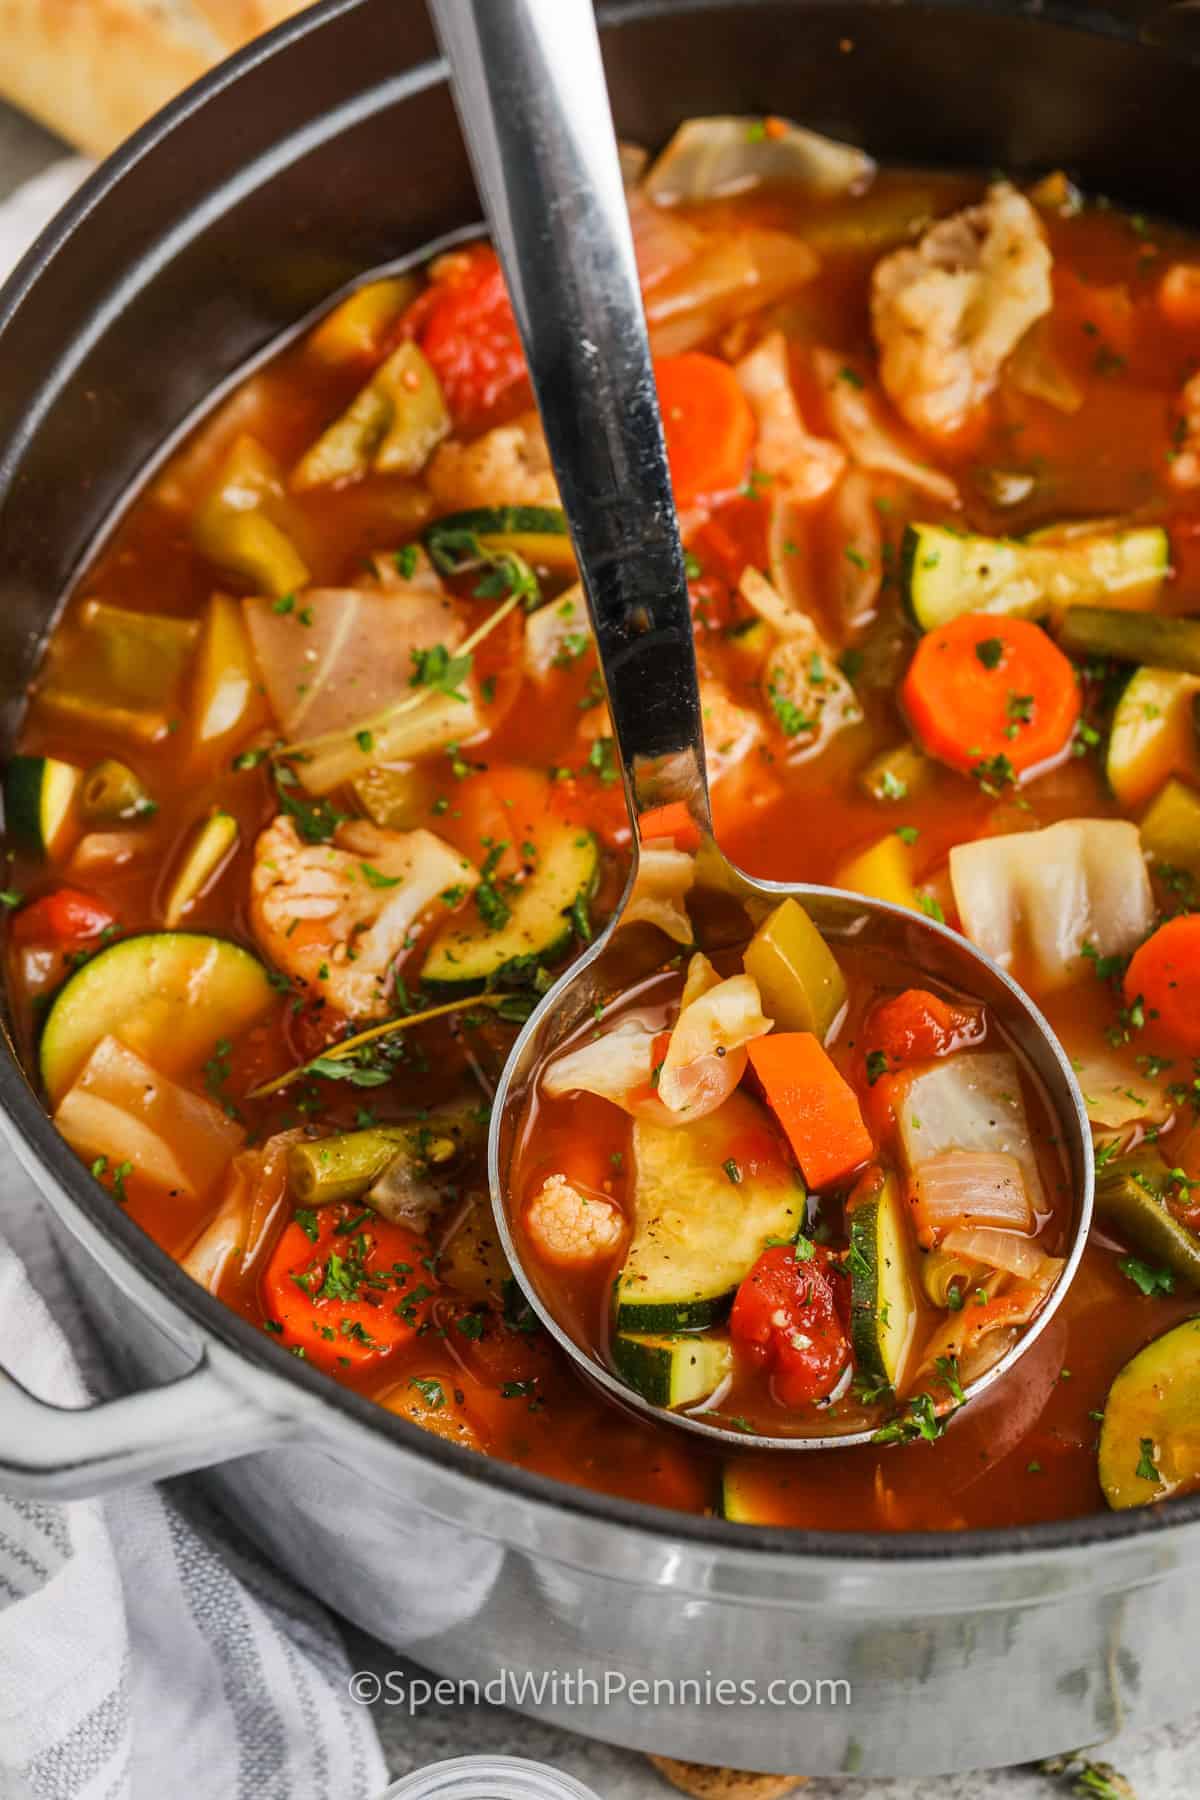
(322,152)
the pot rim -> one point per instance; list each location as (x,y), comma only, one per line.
(77,1194)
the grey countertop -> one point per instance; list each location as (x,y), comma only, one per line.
(1160,1765)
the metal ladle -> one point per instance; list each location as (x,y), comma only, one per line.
(531,95)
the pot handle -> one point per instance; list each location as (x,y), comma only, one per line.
(50,1452)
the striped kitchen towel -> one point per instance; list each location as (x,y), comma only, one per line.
(146,1652)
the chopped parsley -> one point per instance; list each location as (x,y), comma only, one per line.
(990,652)
(1147,1279)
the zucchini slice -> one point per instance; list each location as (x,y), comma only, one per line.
(1135,637)
(944,573)
(168,995)
(208,849)
(697,1231)
(741,1495)
(1152,735)
(885,1307)
(1131,1195)
(673,1371)
(39,796)
(1150,1438)
(466,953)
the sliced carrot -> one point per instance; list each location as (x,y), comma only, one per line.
(673,821)
(346,1288)
(984,692)
(708,423)
(816,1106)
(1165,976)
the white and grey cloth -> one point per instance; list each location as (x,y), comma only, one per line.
(146,1652)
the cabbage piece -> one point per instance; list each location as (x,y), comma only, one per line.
(1037,371)
(121,1108)
(857,540)
(255,1192)
(977,1337)
(418,725)
(612,1065)
(971,1188)
(732,273)
(1034,899)
(788,619)
(785,448)
(808,694)
(857,415)
(971,1102)
(731,731)
(1121,1103)
(706,1056)
(333,656)
(665,877)
(557,635)
(718,156)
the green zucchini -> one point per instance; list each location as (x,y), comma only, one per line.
(207,851)
(885,1308)
(1135,637)
(325,1171)
(466,952)
(697,1231)
(944,573)
(168,995)
(1152,735)
(1150,1437)
(1131,1196)
(673,1371)
(39,796)
(1170,827)
(740,1496)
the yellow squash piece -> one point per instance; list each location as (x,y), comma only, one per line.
(121,672)
(355,329)
(207,851)
(802,987)
(234,530)
(391,426)
(884,872)
(1153,736)
(1170,828)
(228,699)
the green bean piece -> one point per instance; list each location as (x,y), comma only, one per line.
(1152,638)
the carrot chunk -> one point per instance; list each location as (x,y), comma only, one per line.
(1164,974)
(671,821)
(985,693)
(708,424)
(816,1106)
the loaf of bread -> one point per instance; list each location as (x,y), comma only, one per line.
(705,1783)
(94,70)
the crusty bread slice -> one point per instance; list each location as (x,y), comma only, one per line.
(94,70)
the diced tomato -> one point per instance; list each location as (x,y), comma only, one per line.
(464,323)
(67,916)
(917,1025)
(733,538)
(346,1287)
(786,1317)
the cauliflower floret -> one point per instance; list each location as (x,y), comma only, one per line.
(336,916)
(808,466)
(571,1228)
(947,312)
(508,466)
(1184,467)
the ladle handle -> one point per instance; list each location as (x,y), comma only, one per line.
(534,108)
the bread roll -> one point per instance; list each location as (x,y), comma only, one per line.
(94,70)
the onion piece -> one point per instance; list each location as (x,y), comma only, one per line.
(1037,372)
(771,607)
(808,465)
(856,413)
(857,549)
(977,1337)
(1033,899)
(1007,1250)
(967,1188)
(255,1193)
(712,157)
